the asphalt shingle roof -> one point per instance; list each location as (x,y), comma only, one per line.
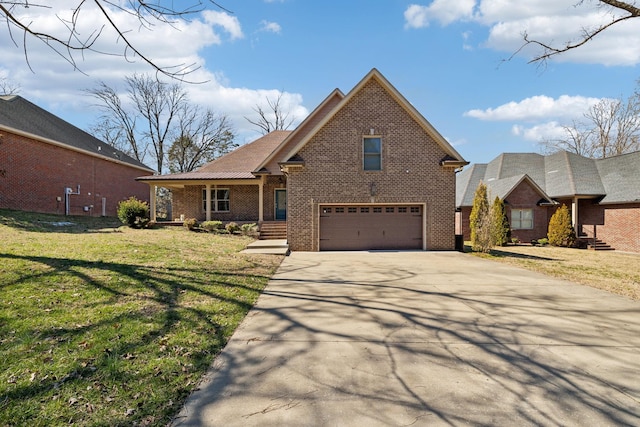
(558,175)
(19,114)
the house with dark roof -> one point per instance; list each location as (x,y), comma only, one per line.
(603,195)
(365,170)
(51,166)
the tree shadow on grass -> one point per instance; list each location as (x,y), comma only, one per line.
(50,223)
(168,305)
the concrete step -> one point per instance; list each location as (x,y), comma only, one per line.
(273,246)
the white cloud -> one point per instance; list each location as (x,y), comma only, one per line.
(539,117)
(444,11)
(535,108)
(554,22)
(271,27)
(229,23)
(55,85)
(544,131)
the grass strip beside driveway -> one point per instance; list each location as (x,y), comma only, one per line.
(612,271)
(105,325)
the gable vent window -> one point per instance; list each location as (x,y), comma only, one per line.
(372,153)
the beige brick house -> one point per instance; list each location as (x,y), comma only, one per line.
(363,171)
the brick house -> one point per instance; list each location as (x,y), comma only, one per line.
(50,166)
(603,195)
(363,171)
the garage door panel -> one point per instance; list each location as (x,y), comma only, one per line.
(371,227)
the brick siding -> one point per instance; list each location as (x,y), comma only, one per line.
(333,170)
(243,202)
(525,197)
(37,174)
(617,225)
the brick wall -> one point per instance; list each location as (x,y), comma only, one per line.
(333,170)
(243,201)
(617,225)
(37,174)
(525,197)
(271,183)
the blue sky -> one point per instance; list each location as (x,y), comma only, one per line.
(447,58)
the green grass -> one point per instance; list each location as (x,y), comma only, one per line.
(103,325)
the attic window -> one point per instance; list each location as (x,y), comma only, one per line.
(372,153)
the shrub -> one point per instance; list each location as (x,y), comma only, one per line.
(500,228)
(232,227)
(133,212)
(249,229)
(560,231)
(479,221)
(543,242)
(190,224)
(211,226)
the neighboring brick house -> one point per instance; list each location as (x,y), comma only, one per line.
(50,166)
(603,195)
(364,171)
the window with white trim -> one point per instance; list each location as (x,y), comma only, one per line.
(219,199)
(522,219)
(372,153)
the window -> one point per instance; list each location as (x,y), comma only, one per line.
(389,210)
(352,210)
(522,219)
(219,199)
(402,210)
(364,210)
(339,210)
(415,209)
(326,210)
(377,210)
(372,154)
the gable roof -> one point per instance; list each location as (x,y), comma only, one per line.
(17,115)
(374,74)
(559,175)
(306,126)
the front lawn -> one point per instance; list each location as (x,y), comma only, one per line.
(612,271)
(103,325)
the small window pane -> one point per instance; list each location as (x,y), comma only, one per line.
(389,210)
(364,210)
(353,210)
(372,145)
(415,209)
(377,210)
(326,210)
(339,210)
(402,210)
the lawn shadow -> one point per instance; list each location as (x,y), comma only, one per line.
(51,223)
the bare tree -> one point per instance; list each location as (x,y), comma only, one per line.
(7,87)
(618,11)
(117,124)
(74,42)
(140,122)
(273,119)
(611,127)
(202,138)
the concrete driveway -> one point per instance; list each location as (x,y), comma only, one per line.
(424,339)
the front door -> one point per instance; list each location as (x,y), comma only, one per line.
(281,204)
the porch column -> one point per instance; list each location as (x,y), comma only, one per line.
(574,213)
(152,199)
(261,200)
(208,201)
